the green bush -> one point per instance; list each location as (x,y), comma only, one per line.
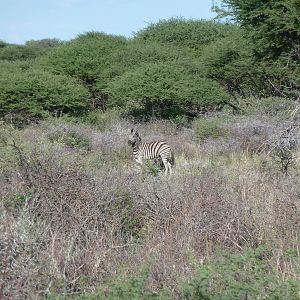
(31,50)
(164,90)
(208,128)
(193,34)
(3,44)
(134,54)
(37,93)
(44,43)
(125,287)
(272,25)
(72,139)
(101,120)
(84,58)
(229,61)
(271,106)
(273,28)
(240,276)
(18,52)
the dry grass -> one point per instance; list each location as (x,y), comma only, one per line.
(71,218)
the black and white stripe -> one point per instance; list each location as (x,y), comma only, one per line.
(155,150)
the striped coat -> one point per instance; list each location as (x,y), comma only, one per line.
(155,150)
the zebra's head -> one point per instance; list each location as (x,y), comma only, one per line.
(134,138)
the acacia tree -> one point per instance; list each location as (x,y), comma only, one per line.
(84,58)
(274,28)
(274,25)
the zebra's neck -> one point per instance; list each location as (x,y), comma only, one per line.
(135,146)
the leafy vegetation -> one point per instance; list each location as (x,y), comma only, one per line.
(78,220)
(165,90)
(84,58)
(193,34)
(240,276)
(174,69)
(34,93)
(210,128)
(273,29)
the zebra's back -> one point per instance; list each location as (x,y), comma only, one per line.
(155,149)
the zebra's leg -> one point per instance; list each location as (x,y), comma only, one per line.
(170,167)
(166,165)
(139,165)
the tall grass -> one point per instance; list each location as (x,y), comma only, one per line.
(73,217)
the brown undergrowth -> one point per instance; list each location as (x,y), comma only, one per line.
(72,216)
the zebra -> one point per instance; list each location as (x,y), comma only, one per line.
(158,150)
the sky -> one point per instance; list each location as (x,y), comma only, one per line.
(23,20)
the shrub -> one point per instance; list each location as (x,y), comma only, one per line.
(135,53)
(240,276)
(101,120)
(124,287)
(72,139)
(273,28)
(84,58)
(270,106)
(3,44)
(193,34)
(165,90)
(208,128)
(44,43)
(228,60)
(18,52)
(36,93)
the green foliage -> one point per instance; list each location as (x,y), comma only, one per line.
(31,50)
(84,58)
(208,128)
(17,201)
(193,34)
(124,287)
(273,27)
(229,61)
(72,139)
(131,288)
(176,68)
(36,92)
(18,52)
(241,276)
(135,53)
(101,120)
(44,43)
(164,90)
(154,167)
(228,276)
(2,44)
(271,106)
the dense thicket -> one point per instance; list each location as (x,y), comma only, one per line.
(166,89)
(84,58)
(193,34)
(173,68)
(274,31)
(31,92)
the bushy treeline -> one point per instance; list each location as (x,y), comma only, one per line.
(174,68)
